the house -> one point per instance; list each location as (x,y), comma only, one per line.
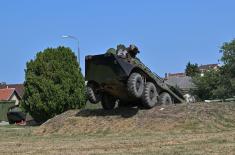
(9,94)
(184,83)
(19,88)
(204,68)
(180,81)
(8,98)
(170,75)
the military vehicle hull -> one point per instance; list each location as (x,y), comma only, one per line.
(109,74)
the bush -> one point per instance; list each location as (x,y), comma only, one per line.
(53,84)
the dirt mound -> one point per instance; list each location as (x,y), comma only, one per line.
(200,116)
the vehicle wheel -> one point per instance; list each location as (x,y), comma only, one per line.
(135,85)
(165,99)
(150,95)
(92,96)
(108,102)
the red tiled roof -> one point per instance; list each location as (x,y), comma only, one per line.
(19,88)
(5,94)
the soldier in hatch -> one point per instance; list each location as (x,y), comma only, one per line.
(122,51)
(132,51)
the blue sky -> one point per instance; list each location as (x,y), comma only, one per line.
(168,33)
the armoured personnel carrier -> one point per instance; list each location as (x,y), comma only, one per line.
(118,76)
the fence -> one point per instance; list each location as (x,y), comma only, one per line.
(4,106)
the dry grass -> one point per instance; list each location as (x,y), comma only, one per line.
(182,129)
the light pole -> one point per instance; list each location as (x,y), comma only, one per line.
(76,39)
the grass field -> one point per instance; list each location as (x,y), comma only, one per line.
(208,129)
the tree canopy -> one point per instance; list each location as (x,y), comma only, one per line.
(191,69)
(218,83)
(53,84)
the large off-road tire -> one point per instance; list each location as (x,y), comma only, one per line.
(150,95)
(93,97)
(165,99)
(135,85)
(108,102)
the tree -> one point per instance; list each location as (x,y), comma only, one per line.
(53,84)
(206,84)
(218,83)
(191,69)
(228,58)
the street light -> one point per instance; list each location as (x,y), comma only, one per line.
(74,38)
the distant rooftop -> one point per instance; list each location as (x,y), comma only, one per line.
(19,88)
(176,75)
(208,66)
(184,83)
(5,94)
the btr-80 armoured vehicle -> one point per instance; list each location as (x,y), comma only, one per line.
(119,77)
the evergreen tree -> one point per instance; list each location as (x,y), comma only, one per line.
(191,69)
(53,84)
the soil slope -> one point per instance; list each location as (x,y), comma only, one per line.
(198,117)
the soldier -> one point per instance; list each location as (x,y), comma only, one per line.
(132,51)
(122,51)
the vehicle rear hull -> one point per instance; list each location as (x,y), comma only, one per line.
(110,73)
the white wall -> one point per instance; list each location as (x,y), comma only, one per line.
(15,98)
